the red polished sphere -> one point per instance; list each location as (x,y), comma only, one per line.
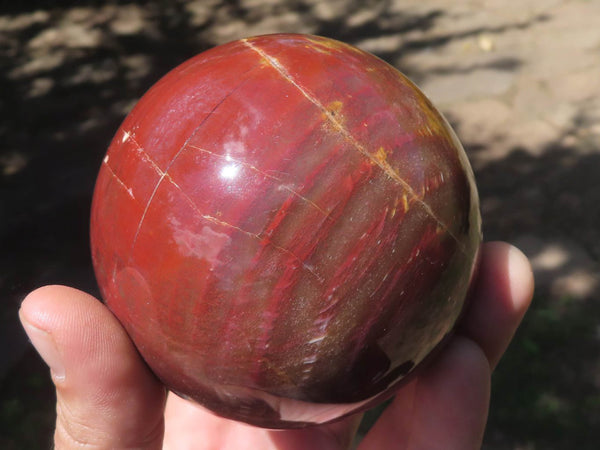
(286,227)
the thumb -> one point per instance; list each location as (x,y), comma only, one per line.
(106,396)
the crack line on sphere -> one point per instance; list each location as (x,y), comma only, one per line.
(129,135)
(208,217)
(383,165)
(187,197)
(266,175)
(145,154)
(116,177)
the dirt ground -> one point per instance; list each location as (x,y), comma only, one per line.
(519,81)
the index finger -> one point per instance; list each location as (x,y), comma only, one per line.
(501,296)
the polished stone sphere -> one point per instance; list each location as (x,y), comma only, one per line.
(286,227)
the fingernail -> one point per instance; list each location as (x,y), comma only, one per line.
(46,347)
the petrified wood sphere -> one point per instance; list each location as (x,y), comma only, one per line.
(286,227)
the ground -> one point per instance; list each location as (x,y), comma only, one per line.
(519,82)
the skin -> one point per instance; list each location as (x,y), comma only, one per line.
(108,398)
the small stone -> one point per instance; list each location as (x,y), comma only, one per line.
(486,43)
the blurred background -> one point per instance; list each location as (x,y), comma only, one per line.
(519,81)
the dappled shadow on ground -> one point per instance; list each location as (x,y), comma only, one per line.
(546,392)
(71,70)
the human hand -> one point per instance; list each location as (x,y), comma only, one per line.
(108,398)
